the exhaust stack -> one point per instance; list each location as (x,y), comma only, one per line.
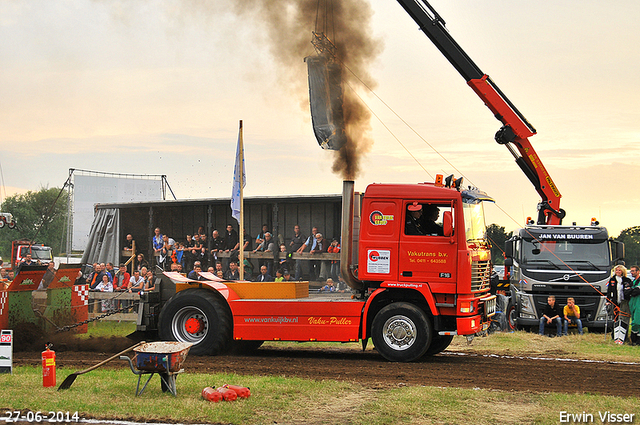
(346,251)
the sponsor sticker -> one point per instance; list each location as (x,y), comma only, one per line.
(378,261)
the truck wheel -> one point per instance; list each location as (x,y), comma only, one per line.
(401,332)
(199,317)
(439,343)
(512,318)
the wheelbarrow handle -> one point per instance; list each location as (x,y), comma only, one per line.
(110,358)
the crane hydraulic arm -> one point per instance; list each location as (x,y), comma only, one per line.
(515,130)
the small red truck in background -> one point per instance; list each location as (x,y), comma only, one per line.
(39,253)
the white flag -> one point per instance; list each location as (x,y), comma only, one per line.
(236,196)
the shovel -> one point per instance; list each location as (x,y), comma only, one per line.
(68,381)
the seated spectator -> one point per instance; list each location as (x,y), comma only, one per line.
(320,268)
(233,273)
(109,269)
(286,276)
(4,279)
(198,252)
(178,254)
(128,244)
(80,280)
(105,286)
(211,269)
(136,282)
(26,261)
(166,254)
(279,276)
(329,287)
(141,262)
(283,263)
(193,274)
(572,315)
(149,282)
(268,245)
(121,281)
(334,272)
(175,267)
(218,267)
(260,237)
(158,244)
(96,276)
(342,286)
(220,274)
(248,269)
(551,314)
(264,275)
(217,245)
(188,256)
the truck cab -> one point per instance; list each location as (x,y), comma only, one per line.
(39,253)
(564,261)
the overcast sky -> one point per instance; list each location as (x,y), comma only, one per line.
(158,87)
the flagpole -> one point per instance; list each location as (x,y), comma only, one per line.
(241,227)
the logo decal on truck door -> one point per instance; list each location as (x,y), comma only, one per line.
(378,219)
(378,261)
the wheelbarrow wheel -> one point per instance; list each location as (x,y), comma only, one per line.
(197,316)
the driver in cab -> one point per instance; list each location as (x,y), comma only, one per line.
(421,220)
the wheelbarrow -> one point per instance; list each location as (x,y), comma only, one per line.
(164,358)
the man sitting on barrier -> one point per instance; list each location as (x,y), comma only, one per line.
(551,313)
(572,315)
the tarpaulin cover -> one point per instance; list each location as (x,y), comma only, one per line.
(103,245)
(325,99)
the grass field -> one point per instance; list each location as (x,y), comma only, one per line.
(109,394)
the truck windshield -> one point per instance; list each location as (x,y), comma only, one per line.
(560,254)
(42,254)
(475,226)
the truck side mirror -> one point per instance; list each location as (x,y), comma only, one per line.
(447,223)
(617,249)
(509,247)
(508,262)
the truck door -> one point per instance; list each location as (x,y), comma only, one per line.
(426,255)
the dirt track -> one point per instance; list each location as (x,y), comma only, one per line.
(370,369)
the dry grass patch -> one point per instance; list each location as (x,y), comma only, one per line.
(588,346)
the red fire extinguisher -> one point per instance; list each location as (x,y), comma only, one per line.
(48,367)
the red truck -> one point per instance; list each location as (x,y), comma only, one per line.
(411,293)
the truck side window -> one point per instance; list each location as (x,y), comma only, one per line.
(424,219)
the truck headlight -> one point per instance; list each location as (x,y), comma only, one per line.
(526,306)
(602,312)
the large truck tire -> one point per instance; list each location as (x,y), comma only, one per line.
(401,332)
(512,318)
(439,343)
(197,316)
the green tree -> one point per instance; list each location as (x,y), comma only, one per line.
(497,236)
(631,239)
(40,218)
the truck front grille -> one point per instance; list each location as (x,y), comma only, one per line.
(480,275)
